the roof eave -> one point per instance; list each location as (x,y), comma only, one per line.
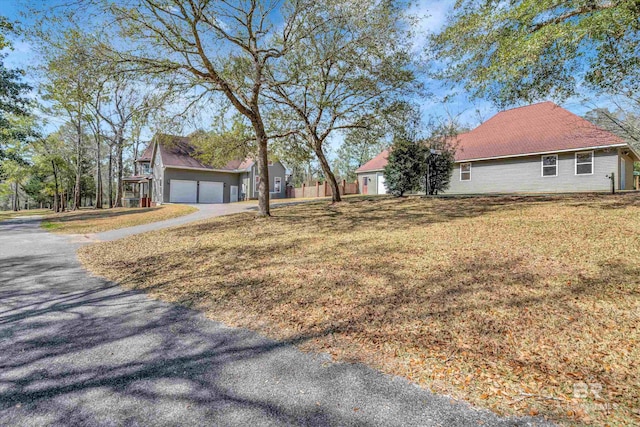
(539,153)
(369,170)
(205,169)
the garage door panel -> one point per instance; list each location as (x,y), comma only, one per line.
(211,192)
(181,191)
(382,188)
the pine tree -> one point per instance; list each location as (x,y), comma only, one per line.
(405,166)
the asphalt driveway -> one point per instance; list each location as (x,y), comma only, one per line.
(204,211)
(79,350)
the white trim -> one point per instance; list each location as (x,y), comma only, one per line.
(205,169)
(593,162)
(279,180)
(542,166)
(153,151)
(465,163)
(599,147)
(370,171)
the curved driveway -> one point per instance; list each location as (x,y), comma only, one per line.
(79,350)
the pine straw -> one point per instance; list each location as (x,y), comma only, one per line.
(504,302)
(97,220)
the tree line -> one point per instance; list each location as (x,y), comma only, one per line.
(283,79)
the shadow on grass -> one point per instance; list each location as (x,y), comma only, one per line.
(82,215)
(496,308)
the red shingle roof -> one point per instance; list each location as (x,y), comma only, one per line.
(377,163)
(537,128)
(177,151)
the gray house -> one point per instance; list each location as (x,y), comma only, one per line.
(169,172)
(532,149)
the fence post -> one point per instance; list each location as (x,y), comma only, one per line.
(303,185)
(344,186)
(317,188)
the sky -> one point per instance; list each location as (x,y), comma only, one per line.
(433,13)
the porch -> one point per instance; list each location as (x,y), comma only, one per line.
(137,192)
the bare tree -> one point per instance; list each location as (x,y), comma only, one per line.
(123,105)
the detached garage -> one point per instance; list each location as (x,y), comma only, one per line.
(371,175)
(183,191)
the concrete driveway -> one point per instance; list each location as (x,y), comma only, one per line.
(79,350)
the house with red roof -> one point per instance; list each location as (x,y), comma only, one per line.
(538,148)
(169,171)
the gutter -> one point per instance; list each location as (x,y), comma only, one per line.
(570,150)
(207,170)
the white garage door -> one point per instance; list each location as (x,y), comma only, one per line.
(211,192)
(382,189)
(181,191)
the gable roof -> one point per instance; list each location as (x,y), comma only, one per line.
(178,152)
(146,154)
(375,164)
(534,129)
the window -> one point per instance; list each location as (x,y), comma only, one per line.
(465,171)
(257,183)
(584,163)
(277,184)
(550,165)
(146,169)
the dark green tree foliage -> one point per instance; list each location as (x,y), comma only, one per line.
(440,157)
(13,101)
(406,166)
(439,170)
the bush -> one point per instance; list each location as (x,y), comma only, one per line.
(405,167)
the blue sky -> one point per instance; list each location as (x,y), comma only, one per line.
(434,15)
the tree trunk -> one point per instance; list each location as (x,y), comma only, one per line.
(263,169)
(77,196)
(16,201)
(119,169)
(328,174)
(98,204)
(56,200)
(110,177)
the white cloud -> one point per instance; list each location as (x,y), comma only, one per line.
(432,16)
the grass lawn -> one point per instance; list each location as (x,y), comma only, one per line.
(97,220)
(28,212)
(510,303)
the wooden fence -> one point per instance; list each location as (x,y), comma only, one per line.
(321,189)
